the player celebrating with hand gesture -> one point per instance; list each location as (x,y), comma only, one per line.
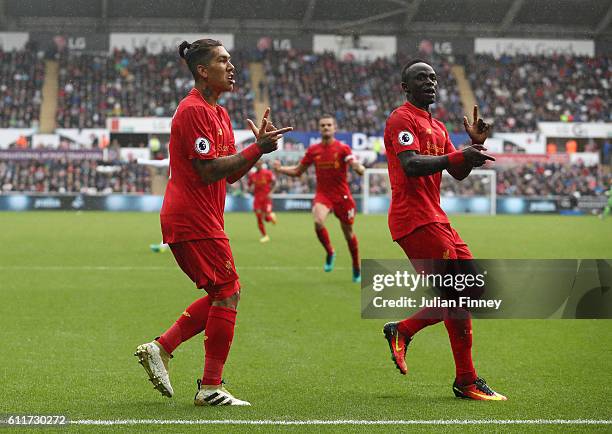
(418,150)
(332,159)
(202,159)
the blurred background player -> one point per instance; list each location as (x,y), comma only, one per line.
(202,159)
(261,184)
(418,150)
(160,247)
(331,159)
(606,211)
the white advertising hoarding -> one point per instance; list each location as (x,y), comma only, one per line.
(536,47)
(84,137)
(516,143)
(10,41)
(595,130)
(8,136)
(360,49)
(139,125)
(155,43)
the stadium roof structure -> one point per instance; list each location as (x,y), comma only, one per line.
(471,18)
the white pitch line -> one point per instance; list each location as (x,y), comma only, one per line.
(343,422)
(146,267)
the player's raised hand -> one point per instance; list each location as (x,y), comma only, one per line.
(474,155)
(267,134)
(478,130)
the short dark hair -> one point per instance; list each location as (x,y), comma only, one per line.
(197,53)
(327,116)
(409,64)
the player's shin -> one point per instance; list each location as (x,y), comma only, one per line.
(423,318)
(353,246)
(217,342)
(260,225)
(323,237)
(459,327)
(191,322)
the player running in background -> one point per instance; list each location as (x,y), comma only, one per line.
(418,150)
(261,184)
(331,159)
(202,159)
(606,211)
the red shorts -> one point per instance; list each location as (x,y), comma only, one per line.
(209,264)
(343,208)
(262,205)
(427,244)
(434,241)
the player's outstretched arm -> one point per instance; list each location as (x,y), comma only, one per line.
(267,137)
(358,167)
(235,166)
(289,170)
(424,165)
(211,171)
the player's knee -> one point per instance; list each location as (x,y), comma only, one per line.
(318,223)
(348,232)
(229,302)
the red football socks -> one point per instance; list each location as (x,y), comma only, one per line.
(323,237)
(423,318)
(353,245)
(191,322)
(459,329)
(217,342)
(260,225)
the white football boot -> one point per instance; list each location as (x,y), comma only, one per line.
(215,395)
(154,359)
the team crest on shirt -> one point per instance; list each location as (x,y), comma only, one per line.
(202,145)
(405,138)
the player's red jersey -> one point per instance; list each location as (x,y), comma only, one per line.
(193,210)
(415,201)
(331,164)
(261,181)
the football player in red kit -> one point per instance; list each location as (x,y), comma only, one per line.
(331,159)
(418,150)
(261,184)
(202,159)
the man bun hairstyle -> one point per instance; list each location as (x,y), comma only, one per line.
(197,53)
(409,64)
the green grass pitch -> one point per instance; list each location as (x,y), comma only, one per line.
(79,291)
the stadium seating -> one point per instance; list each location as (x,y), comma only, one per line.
(303,86)
(21,79)
(73,177)
(517,92)
(94,87)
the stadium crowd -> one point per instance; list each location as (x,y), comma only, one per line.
(519,91)
(540,179)
(537,179)
(83,176)
(21,80)
(514,91)
(94,87)
(303,86)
